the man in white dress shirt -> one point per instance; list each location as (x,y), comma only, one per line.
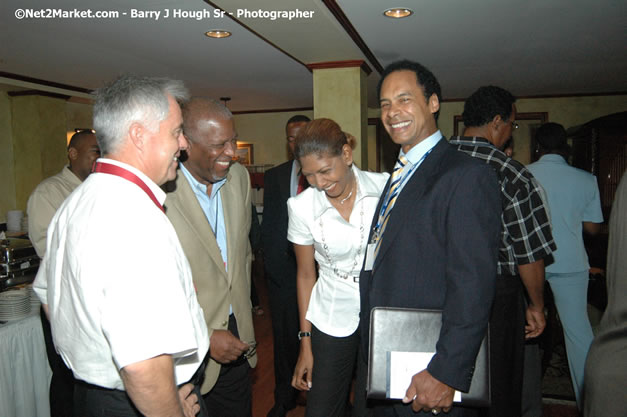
(115,281)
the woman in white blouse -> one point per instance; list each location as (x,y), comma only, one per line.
(329,224)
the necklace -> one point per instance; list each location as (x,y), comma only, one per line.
(351,193)
(356,258)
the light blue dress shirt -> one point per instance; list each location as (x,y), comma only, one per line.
(417,154)
(573,197)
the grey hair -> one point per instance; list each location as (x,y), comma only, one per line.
(131,99)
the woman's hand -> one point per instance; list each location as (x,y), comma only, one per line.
(302,373)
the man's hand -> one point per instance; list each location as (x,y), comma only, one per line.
(428,394)
(189,400)
(535,322)
(224,347)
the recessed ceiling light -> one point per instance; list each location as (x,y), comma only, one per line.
(218,33)
(398,12)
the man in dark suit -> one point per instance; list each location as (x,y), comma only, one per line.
(433,242)
(281,183)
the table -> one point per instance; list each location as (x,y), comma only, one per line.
(24,371)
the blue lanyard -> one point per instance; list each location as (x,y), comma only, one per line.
(384,206)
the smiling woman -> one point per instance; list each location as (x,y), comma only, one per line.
(324,229)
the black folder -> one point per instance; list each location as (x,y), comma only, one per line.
(412,330)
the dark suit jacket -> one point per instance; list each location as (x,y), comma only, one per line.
(439,251)
(279,259)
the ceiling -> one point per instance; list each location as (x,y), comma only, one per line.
(532,48)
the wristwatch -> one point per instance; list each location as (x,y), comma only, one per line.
(303,334)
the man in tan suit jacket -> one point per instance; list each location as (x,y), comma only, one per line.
(209,206)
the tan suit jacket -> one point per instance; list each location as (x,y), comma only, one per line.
(216,289)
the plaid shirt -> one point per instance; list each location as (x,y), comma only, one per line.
(526,229)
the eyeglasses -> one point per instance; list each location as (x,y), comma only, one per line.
(514,125)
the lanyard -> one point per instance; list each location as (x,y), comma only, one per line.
(106,168)
(384,206)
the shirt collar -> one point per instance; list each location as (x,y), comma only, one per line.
(200,186)
(418,151)
(553,157)
(365,188)
(471,140)
(156,190)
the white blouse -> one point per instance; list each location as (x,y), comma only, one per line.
(334,303)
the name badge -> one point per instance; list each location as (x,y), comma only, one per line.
(369,257)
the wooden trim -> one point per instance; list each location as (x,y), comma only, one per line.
(335,9)
(273,110)
(341,64)
(210,3)
(44,82)
(37,93)
(614,93)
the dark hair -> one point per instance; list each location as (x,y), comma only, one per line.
(298,118)
(424,78)
(321,137)
(551,138)
(485,104)
(78,137)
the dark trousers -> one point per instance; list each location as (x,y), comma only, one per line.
(62,383)
(285,327)
(332,374)
(391,408)
(231,396)
(507,344)
(93,401)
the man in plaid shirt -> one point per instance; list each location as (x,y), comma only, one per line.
(489,116)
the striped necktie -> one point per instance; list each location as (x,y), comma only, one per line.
(390,199)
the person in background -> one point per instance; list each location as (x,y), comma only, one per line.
(210,209)
(490,118)
(328,224)
(114,281)
(606,366)
(575,206)
(280,183)
(44,201)
(47,197)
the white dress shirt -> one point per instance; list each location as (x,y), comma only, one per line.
(117,283)
(334,303)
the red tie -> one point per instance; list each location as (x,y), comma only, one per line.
(302,184)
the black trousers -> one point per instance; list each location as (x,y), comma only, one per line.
(507,347)
(285,327)
(332,374)
(94,401)
(231,396)
(62,383)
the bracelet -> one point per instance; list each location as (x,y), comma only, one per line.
(303,334)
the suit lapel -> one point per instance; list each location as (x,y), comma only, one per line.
(413,191)
(285,178)
(231,214)
(187,203)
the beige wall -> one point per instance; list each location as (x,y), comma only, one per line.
(33,143)
(266,131)
(7,166)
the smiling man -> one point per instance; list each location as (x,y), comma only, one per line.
(210,210)
(433,241)
(114,279)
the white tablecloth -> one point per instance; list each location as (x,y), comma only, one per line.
(24,371)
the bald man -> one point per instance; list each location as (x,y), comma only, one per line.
(210,211)
(47,197)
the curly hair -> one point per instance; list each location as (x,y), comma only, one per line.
(486,103)
(424,78)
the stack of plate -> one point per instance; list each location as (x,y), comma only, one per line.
(14,304)
(34,300)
